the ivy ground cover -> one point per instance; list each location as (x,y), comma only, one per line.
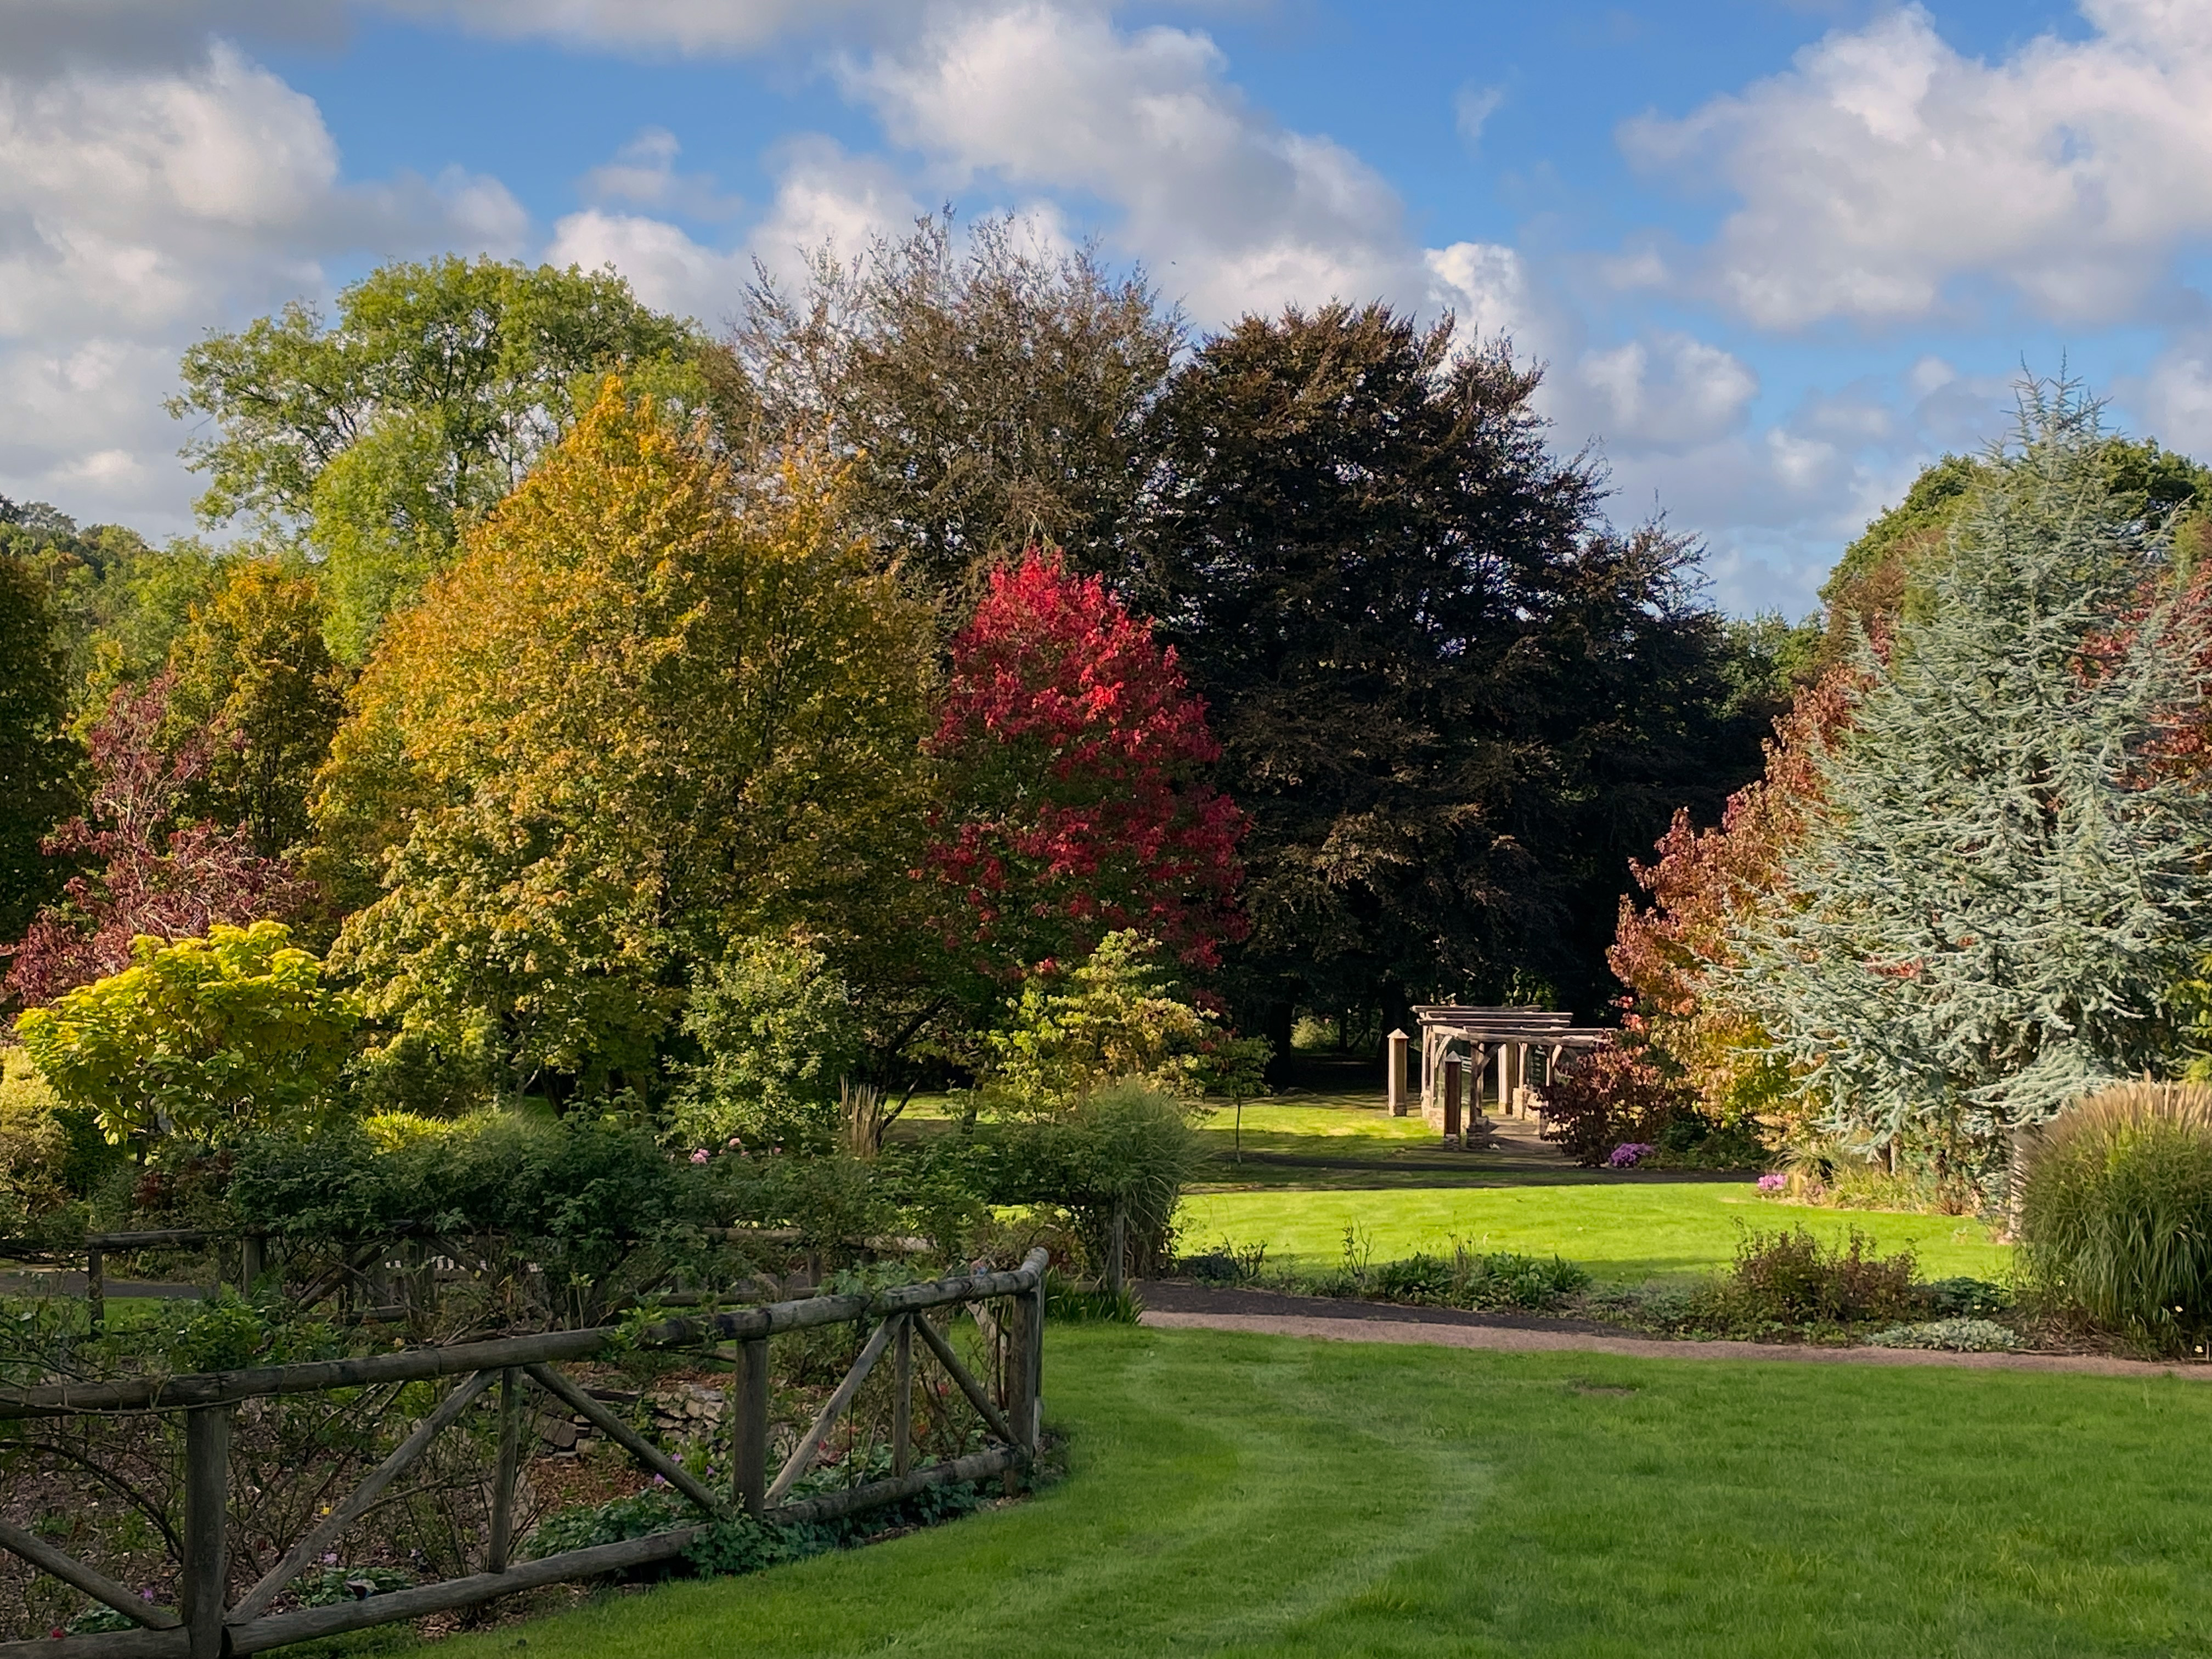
(1250,1495)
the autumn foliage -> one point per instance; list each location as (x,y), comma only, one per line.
(1075,754)
(1702,882)
(151,870)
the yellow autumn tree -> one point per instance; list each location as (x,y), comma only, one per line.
(655,706)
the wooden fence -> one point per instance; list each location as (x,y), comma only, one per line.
(385,1275)
(207,1623)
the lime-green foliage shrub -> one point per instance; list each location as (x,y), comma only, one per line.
(200,1038)
(776,1032)
(33,1144)
(1117,1014)
(2116,1208)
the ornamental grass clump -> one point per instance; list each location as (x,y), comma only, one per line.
(2116,1209)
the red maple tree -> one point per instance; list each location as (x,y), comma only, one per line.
(153,872)
(1075,753)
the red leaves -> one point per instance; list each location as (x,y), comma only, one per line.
(154,874)
(1075,751)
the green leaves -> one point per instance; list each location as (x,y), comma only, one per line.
(199,1038)
(1988,913)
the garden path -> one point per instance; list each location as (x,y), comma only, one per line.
(1188,1307)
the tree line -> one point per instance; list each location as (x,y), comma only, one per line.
(957,607)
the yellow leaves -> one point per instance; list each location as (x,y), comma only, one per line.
(645,702)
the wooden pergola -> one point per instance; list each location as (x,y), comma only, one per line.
(1476,1037)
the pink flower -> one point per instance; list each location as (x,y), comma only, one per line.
(700,1156)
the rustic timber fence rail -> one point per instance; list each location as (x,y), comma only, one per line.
(368,1262)
(208,1622)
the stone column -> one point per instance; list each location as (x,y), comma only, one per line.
(1394,1086)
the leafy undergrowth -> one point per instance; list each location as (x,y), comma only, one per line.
(1794,1286)
(1238,1495)
(1477,1281)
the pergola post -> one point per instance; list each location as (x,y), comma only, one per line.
(1396,1084)
(1452,1070)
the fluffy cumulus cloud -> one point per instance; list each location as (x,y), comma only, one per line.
(1230,210)
(143,202)
(1885,177)
(824,197)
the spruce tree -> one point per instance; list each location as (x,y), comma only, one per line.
(2002,884)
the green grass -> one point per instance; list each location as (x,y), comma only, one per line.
(1624,1233)
(1246,1496)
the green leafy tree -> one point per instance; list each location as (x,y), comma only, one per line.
(1884,572)
(385,433)
(650,710)
(1453,702)
(120,602)
(987,397)
(1117,1014)
(1997,887)
(252,673)
(37,758)
(777,1034)
(201,1038)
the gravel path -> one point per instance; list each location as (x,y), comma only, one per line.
(1199,1307)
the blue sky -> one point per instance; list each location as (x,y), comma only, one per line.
(1776,253)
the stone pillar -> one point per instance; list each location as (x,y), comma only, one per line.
(1395,1083)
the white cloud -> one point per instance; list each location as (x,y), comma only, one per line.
(1472,108)
(643,173)
(1885,176)
(141,204)
(824,197)
(38,37)
(1230,210)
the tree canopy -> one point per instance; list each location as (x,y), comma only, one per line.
(986,397)
(381,434)
(1451,699)
(1999,889)
(647,711)
(1076,799)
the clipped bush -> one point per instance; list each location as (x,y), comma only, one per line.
(2116,1208)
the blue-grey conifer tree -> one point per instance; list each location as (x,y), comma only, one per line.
(2000,889)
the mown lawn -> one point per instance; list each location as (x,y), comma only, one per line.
(1624,1233)
(1247,1495)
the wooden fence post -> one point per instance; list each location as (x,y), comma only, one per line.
(250,1263)
(206,1579)
(749,1476)
(902,1397)
(1021,1415)
(1451,1100)
(1033,1426)
(510,1459)
(95,1287)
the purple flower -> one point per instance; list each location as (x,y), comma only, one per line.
(146,1595)
(660,1480)
(330,1558)
(1628,1154)
(1772,1182)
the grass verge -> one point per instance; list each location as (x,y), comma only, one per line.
(1243,1495)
